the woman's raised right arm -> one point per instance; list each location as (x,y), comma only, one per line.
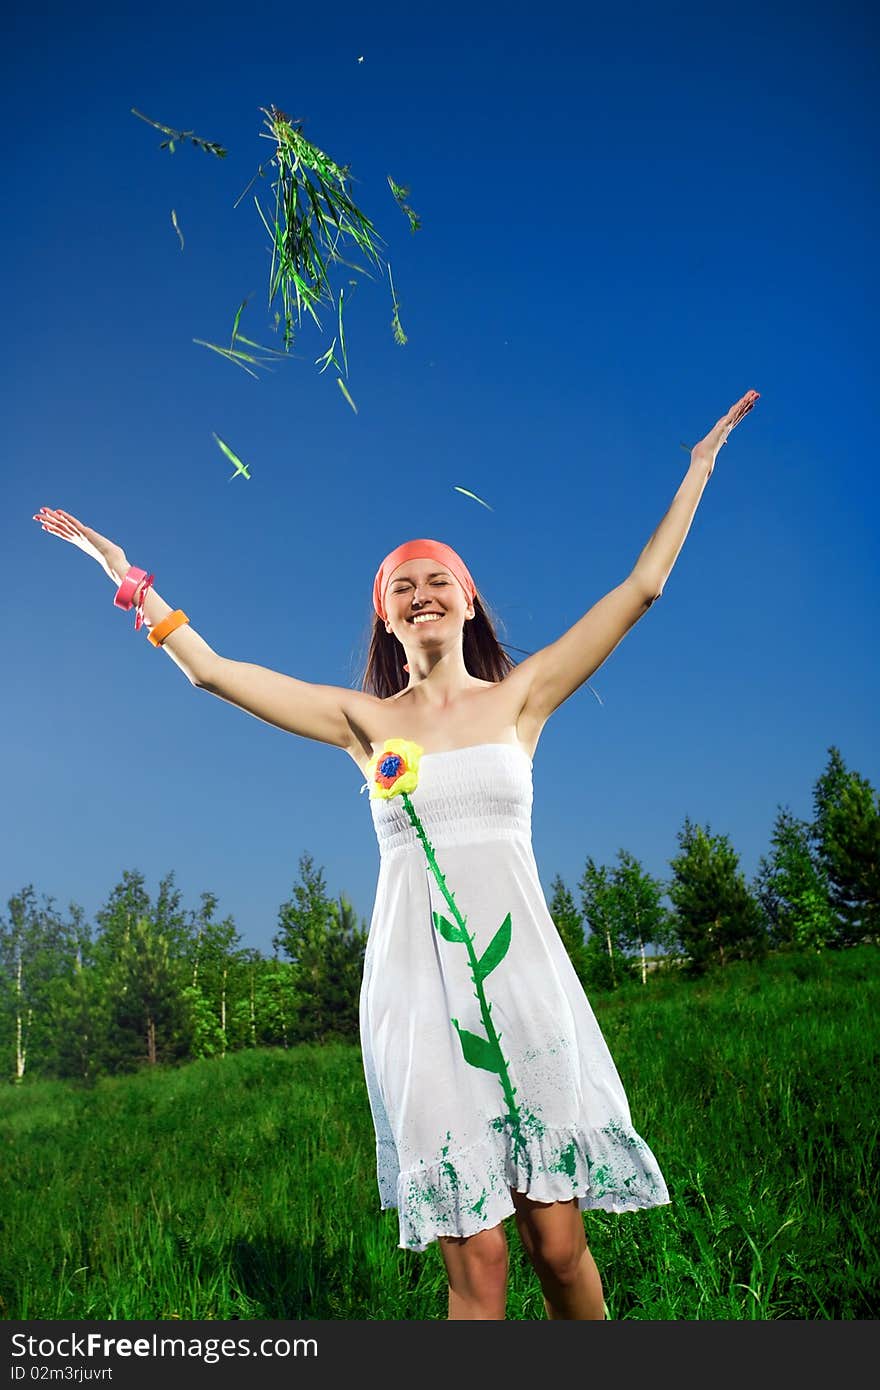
(325,713)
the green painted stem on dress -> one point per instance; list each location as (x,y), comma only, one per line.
(485,1009)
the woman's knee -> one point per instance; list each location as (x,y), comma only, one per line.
(562,1257)
(553,1235)
(479,1261)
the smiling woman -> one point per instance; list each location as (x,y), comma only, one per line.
(469,1128)
(491,1087)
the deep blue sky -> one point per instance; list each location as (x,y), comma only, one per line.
(630,218)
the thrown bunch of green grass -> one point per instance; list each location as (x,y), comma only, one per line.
(313,214)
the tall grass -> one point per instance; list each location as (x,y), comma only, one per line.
(245,1188)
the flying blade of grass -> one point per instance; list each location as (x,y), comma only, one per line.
(182,136)
(317,269)
(400,194)
(273,231)
(233,458)
(176,227)
(276,238)
(273,352)
(342,334)
(341,384)
(343,210)
(331,208)
(279,283)
(228,354)
(258,175)
(301,291)
(277,241)
(291,200)
(331,254)
(234,354)
(328,357)
(399,335)
(240,358)
(475,497)
(165,129)
(317,210)
(348,228)
(362,239)
(276,272)
(334,256)
(308,294)
(237,319)
(361,234)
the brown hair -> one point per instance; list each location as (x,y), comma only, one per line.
(484,656)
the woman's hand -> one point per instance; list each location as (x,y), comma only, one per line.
(110,557)
(708,449)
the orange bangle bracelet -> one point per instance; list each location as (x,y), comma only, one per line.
(167,626)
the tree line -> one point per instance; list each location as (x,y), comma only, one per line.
(156,983)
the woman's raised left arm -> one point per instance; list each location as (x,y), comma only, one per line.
(556,671)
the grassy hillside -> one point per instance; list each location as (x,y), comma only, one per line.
(246,1188)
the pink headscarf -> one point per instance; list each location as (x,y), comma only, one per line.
(420,550)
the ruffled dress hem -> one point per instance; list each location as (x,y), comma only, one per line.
(611,1169)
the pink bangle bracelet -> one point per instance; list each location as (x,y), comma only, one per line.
(124,597)
(126,591)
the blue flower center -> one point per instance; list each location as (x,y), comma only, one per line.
(390,765)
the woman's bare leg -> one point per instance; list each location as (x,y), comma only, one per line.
(554,1239)
(476,1267)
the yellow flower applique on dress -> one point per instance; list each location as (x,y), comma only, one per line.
(394,769)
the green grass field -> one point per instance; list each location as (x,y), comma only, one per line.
(246,1187)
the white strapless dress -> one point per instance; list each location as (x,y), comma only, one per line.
(485,1066)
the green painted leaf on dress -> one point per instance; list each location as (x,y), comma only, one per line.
(448,930)
(478,1052)
(495,951)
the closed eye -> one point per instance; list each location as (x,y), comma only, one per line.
(434,581)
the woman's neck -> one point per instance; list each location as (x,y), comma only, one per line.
(439,685)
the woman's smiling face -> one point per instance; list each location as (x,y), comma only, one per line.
(425,586)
